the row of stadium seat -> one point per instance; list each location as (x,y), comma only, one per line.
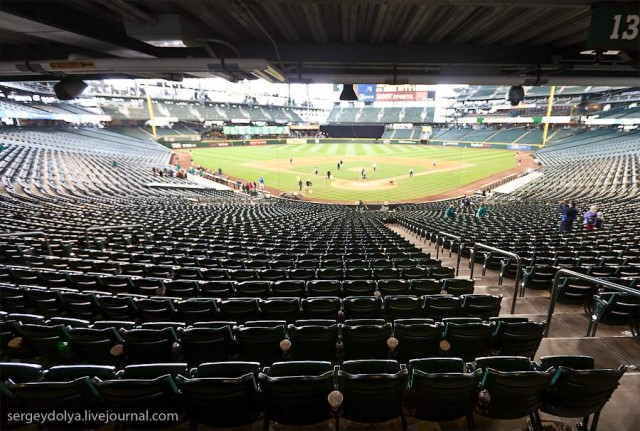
(92,305)
(60,340)
(306,393)
(138,276)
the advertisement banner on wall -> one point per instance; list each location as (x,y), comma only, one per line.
(519,147)
(404,96)
(296,141)
(366,92)
(258,142)
(184,145)
(403,93)
(180,138)
(218,144)
(255,130)
(401,126)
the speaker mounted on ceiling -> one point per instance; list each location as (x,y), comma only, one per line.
(69,88)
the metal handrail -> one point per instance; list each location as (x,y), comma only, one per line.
(595,280)
(478,245)
(89,229)
(31,233)
(448,235)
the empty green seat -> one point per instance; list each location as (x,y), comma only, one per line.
(295,393)
(373,390)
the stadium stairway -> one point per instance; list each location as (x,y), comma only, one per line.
(185,160)
(612,346)
(512,186)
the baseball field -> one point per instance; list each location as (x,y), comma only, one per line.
(437,171)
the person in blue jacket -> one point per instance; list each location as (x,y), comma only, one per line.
(569,214)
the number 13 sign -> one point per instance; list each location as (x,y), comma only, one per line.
(615,26)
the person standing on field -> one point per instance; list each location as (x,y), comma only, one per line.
(410,172)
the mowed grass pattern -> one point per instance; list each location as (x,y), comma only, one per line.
(455,168)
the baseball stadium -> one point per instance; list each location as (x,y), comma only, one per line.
(319,215)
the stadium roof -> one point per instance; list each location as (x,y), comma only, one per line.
(502,42)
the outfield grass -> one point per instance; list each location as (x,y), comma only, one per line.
(455,168)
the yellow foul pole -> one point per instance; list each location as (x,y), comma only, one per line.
(549,106)
(151,117)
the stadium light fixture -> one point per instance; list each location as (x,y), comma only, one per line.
(348,93)
(593,52)
(162,30)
